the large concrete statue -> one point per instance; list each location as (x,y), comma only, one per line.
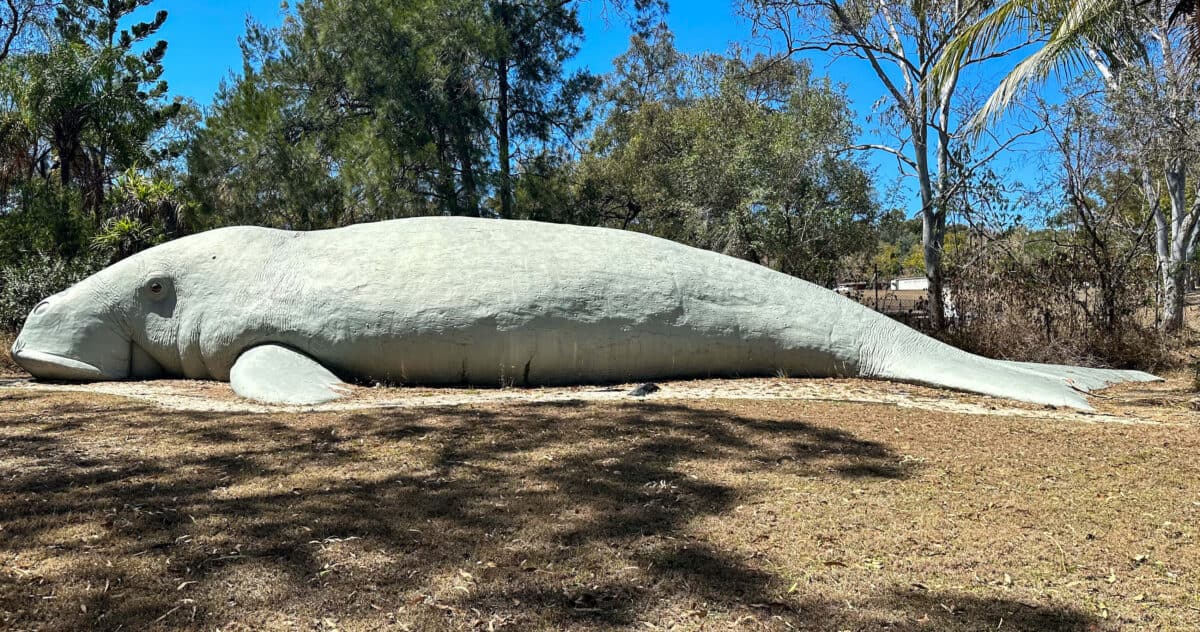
(285,316)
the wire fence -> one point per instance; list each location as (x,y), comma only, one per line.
(910,307)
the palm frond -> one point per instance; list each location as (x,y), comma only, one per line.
(1186,11)
(1055,58)
(990,30)
(1074,24)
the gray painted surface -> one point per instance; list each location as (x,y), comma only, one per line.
(278,375)
(444,300)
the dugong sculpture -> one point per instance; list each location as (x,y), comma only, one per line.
(283,315)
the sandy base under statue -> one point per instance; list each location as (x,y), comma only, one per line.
(1166,402)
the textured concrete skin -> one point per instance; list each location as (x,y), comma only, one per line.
(443,300)
(278,375)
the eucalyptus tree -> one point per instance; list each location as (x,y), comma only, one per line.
(898,44)
(1145,55)
(733,155)
(1153,93)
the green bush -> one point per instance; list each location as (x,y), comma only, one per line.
(23,285)
(42,217)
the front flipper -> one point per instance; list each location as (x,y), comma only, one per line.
(279,375)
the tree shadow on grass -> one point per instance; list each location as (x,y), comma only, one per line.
(529,516)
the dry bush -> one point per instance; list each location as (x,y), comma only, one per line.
(1051,309)
(6,362)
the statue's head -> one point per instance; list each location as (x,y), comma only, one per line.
(97,329)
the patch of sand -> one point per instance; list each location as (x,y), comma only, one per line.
(1134,403)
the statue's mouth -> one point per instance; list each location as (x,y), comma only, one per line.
(51,366)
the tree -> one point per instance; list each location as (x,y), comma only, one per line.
(1074,35)
(145,211)
(79,105)
(731,155)
(1154,96)
(16,16)
(95,101)
(900,44)
(1103,225)
(627,173)
(537,105)
(350,111)
(899,249)
(1070,285)
(534,101)
(1147,64)
(371,109)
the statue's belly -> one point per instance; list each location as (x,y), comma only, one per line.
(559,351)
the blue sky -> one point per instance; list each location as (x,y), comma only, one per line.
(202,36)
(203,50)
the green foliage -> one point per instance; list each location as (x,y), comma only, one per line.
(527,44)
(899,251)
(84,105)
(43,217)
(736,156)
(351,111)
(544,190)
(93,99)
(145,211)
(371,109)
(890,261)
(124,236)
(23,285)
(1071,35)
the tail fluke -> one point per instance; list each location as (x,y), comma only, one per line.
(923,360)
(1084,378)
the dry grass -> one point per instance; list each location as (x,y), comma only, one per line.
(7,366)
(640,515)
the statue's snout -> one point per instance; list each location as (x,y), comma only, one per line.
(66,337)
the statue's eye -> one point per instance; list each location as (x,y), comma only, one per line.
(157,287)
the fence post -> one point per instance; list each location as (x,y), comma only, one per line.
(875,283)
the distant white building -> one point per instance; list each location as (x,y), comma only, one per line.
(910,283)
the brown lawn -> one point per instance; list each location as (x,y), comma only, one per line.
(702,515)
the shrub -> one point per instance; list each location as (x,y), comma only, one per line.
(42,218)
(7,365)
(124,236)
(23,285)
(1055,309)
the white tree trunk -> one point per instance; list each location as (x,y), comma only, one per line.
(1176,236)
(1174,290)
